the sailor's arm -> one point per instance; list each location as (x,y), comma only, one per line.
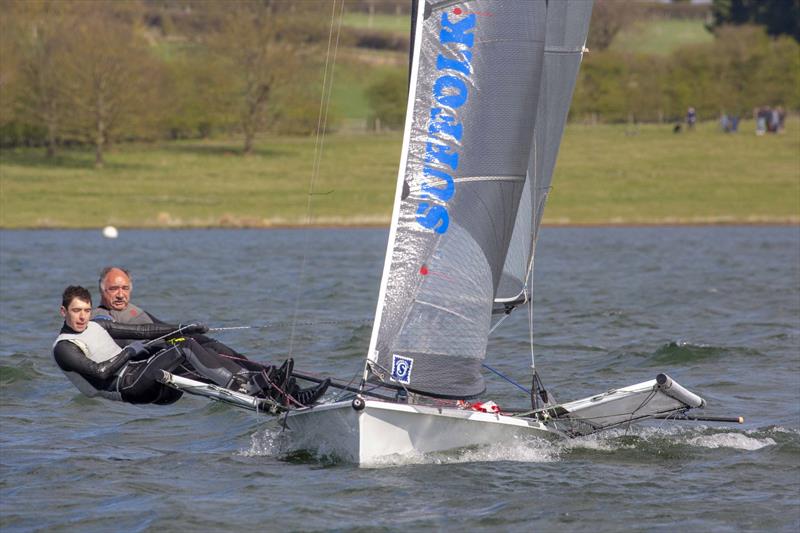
(70,358)
(146,331)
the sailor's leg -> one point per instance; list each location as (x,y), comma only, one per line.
(212,366)
(139,383)
(216,346)
(242,376)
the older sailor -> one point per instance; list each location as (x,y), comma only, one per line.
(116,287)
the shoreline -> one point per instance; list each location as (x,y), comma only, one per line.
(789,221)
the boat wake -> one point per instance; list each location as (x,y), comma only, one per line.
(645,441)
(658,440)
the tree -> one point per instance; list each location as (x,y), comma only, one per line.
(387,98)
(9,64)
(268,48)
(195,96)
(111,75)
(780,17)
(42,33)
(258,59)
(609,17)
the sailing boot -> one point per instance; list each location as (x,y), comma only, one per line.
(310,395)
(280,377)
(272,382)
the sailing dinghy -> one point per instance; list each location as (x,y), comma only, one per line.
(491,83)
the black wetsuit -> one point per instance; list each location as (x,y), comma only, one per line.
(98,367)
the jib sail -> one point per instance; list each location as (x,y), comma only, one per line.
(567,27)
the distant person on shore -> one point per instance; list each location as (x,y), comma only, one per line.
(773,121)
(88,355)
(729,123)
(691,118)
(761,115)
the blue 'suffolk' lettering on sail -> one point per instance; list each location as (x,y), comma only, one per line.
(450,92)
(401,369)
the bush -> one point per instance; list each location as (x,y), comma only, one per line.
(387,98)
(743,68)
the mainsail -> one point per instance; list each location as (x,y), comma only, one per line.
(477,77)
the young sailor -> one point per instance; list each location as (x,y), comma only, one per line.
(86,352)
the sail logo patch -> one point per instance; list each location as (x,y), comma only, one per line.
(445,131)
(401,369)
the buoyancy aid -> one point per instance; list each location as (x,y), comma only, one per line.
(98,346)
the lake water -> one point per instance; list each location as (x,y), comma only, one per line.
(718,308)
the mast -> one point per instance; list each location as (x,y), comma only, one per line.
(400,187)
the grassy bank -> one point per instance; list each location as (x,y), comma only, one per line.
(605,175)
(661,36)
(614,174)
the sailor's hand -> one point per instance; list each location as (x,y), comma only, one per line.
(138,350)
(194,328)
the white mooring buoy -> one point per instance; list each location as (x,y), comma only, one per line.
(110,232)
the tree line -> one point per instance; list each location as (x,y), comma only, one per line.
(743,68)
(99,72)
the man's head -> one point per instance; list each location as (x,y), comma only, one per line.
(76,307)
(115,288)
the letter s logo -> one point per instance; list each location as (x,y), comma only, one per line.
(436,217)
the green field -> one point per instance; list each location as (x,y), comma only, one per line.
(378,21)
(661,36)
(652,176)
(605,175)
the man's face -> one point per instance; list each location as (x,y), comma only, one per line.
(77,314)
(116,290)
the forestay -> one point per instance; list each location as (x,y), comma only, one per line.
(476,79)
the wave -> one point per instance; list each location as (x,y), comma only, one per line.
(685,352)
(21,373)
(735,441)
(640,443)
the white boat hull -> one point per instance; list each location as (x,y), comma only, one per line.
(382,430)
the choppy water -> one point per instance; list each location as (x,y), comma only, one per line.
(718,308)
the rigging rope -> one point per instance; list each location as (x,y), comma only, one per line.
(322,122)
(517,385)
(277,325)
